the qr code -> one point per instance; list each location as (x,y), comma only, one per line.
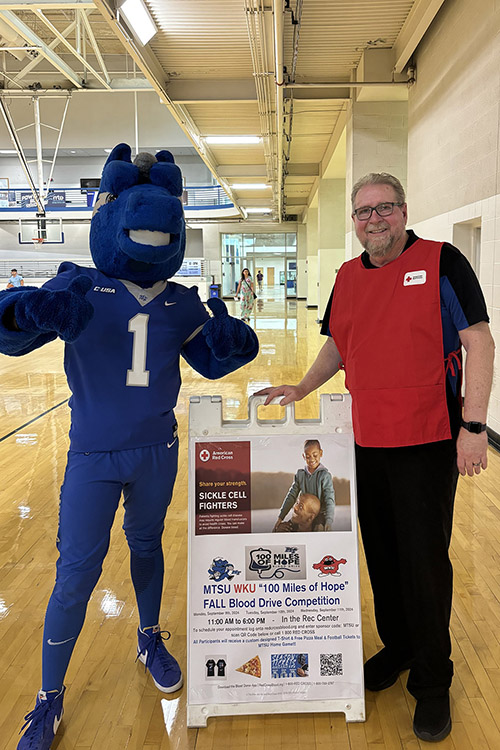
(330,665)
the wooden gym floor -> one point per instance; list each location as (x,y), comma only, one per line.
(111,704)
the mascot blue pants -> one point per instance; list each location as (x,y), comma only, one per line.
(90,495)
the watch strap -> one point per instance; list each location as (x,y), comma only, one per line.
(475,427)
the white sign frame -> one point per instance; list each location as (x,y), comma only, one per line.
(207,425)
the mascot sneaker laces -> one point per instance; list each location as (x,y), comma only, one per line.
(162,666)
(42,723)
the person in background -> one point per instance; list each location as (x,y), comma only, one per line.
(246,292)
(15,279)
(397,320)
(260,279)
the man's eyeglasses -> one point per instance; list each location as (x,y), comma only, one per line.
(383,209)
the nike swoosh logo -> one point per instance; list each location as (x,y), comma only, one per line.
(59,643)
(57,721)
(167,304)
(169,445)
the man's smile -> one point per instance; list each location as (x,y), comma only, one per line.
(379,230)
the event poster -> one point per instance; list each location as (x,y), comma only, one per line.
(273,592)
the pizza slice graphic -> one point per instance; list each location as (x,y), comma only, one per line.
(251,667)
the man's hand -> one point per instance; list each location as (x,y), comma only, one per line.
(290,393)
(472,452)
(323,368)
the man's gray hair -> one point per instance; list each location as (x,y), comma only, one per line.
(379,178)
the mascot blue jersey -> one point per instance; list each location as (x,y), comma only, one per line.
(124,367)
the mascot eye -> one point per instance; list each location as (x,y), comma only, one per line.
(110,198)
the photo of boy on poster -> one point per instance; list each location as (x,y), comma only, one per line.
(240,485)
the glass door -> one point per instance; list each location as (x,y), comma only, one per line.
(291,277)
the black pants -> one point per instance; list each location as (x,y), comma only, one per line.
(405,506)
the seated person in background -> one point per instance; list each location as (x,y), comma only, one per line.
(304,513)
(15,279)
(313,479)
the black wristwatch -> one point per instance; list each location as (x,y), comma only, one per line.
(475,427)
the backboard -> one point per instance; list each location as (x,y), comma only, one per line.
(48,230)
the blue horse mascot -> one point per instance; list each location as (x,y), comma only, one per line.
(124,326)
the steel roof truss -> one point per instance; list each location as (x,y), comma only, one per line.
(45,50)
(69,46)
(33,63)
(95,46)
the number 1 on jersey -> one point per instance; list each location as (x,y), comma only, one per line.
(138,375)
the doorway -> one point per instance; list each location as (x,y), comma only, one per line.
(273,254)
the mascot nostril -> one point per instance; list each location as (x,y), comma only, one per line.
(125,325)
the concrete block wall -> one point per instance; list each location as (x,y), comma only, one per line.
(380,138)
(376,142)
(453,110)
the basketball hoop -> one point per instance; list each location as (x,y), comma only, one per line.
(37,240)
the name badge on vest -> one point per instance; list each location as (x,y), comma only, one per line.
(415,277)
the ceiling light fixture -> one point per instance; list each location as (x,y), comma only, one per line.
(250,186)
(8,151)
(232,139)
(257,210)
(139,20)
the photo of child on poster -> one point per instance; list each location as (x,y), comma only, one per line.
(312,484)
(264,485)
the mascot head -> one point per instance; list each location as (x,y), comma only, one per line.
(138,230)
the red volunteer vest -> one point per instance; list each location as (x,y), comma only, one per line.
(386,323)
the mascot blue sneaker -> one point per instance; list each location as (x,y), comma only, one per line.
(42,723)
(151,651)
(125,327)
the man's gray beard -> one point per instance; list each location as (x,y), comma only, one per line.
(379,249)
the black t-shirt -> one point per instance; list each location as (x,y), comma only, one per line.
(221,668)
(210,665)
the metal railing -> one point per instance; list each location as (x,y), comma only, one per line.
(209,196)
(77,199)
(36,269)
(45,269)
